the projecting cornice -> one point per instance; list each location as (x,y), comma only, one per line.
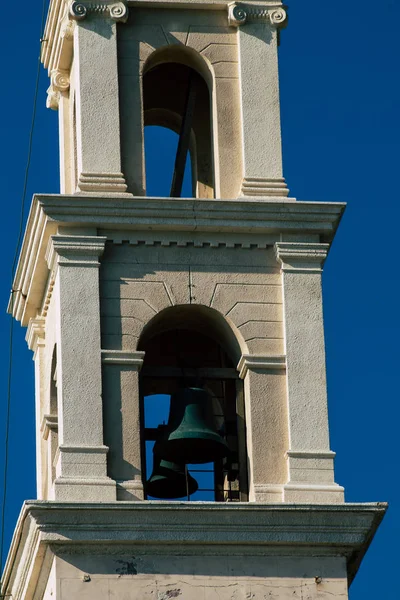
(234,529)
(217,223)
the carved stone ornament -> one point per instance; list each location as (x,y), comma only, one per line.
(117,11)
(60,80)
(59,83)
(53,98)
(239,14)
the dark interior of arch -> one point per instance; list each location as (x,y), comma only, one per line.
(197,319)
(183,349)
(165,90)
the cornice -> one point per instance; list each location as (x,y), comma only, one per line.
(203,528)
(218,222)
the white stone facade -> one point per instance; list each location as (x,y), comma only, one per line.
(101,263)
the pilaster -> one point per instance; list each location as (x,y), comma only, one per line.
(258,26)
(310,461)
(97,95)
(266,430)
(35,337)
(122,420)
(82,466)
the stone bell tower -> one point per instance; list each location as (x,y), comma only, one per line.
(130,299)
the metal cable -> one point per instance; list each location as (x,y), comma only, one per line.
(13,268)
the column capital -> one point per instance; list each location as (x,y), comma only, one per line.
(260,362)
(273,13)
(117,11)
(302,257)
(59,84)
(75,250)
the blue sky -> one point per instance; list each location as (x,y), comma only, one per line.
(340,99)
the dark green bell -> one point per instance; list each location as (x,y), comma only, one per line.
(169,480)
(192,435)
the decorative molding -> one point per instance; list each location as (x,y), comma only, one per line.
(48,295)
(60,80)
(35,335)
(117,11)
(259,362)
(76,251)
(313,487)
(239,14)
(187,243)
(122,357)
(265,187)
(310,454)
(102,182)
(84,449)
(301,257)
(49,423)
(60,83)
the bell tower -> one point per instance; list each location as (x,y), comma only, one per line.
(181,405)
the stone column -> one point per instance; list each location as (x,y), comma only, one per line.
(259,84)
(122,429)
(82,465)
(310,461)
(97,95)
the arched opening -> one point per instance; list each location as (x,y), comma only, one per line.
(189,368)
(176,96)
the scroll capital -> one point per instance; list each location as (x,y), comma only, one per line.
(59,79)
(117,11)
(239,14)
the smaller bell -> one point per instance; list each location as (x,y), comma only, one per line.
(168,479)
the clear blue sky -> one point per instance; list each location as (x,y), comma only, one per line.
(340,98)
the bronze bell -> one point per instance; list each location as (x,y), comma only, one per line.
(168,479)
(192,435)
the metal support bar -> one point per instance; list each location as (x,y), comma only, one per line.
(184,138)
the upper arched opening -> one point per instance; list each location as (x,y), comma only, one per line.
(177,94)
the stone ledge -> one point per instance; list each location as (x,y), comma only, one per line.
(203,528)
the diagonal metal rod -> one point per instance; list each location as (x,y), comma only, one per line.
(184,138)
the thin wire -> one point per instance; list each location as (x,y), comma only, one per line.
(13,268)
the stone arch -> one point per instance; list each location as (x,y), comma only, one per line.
(199,318)
(164,105)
